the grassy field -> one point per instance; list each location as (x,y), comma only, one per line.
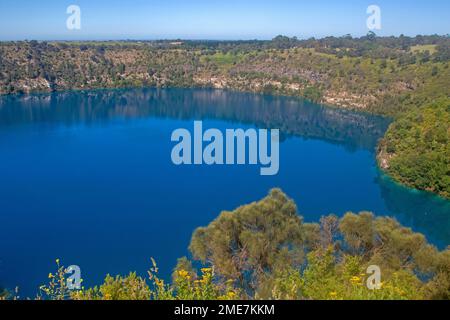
(431,48)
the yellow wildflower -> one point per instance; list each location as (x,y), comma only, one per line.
(159,283)
(50,276)
(183,273)
(333,294)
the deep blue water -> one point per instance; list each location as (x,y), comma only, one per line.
(87,176)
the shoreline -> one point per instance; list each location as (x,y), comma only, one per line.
(377,150)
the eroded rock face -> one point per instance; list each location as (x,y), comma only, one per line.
(383,158)
(29,67)
(384,164)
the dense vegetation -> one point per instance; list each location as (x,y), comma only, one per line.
(265,251)
(416,148)
(391,76)
(382,75)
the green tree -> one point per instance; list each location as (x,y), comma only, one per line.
(252,241)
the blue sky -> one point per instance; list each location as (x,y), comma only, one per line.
(212,19)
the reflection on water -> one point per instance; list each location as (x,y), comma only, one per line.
(292,116)
(295,117)
(72,168)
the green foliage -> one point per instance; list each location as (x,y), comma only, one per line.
(270,254)
(131,287)
(259,250)
(338,251)
(284,284)
(57,288)
(193,287)
(326,278)
(383,75)
(186,265)
(186,285)
(416,148)
(313,93)
(253,240)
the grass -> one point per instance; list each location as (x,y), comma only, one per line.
(431,48)
(224,60)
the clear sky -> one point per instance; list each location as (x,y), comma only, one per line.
(212,19)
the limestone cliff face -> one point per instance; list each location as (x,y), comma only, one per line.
(362,82)
(383,157)
(346,83)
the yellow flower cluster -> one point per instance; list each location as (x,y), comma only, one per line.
(229,296)
(201,281)
(355,280)
(159,282)
(183,273)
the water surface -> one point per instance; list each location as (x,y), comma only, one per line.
(87,176)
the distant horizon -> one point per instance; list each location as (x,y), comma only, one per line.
(212,39)
(149,20)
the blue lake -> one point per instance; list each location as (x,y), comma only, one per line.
(87,177)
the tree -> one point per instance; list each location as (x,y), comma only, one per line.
(252,241)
